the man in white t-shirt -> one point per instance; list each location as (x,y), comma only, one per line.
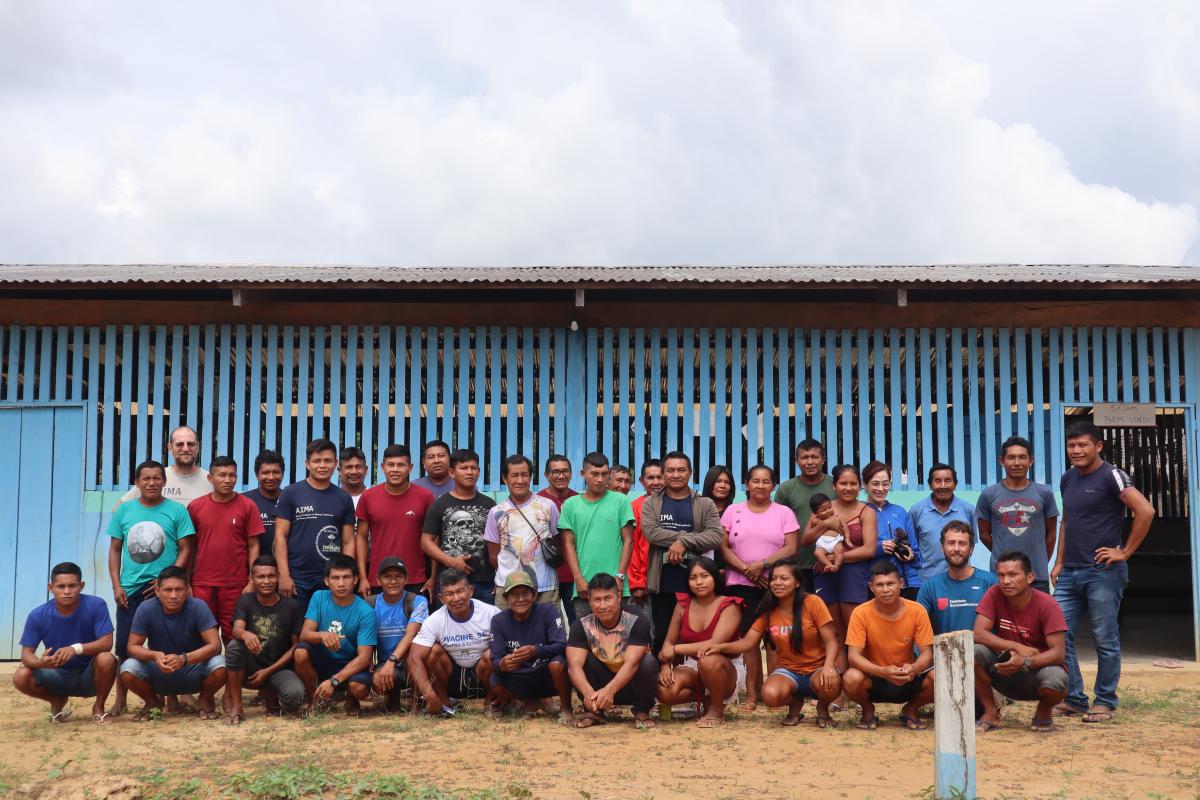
(451,654)
(515,531)
(186,479)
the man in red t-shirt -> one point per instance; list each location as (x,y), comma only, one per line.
(558,475)
(1020,645)
(227,529)
(390,516)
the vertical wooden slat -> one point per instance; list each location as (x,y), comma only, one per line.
(1083,352)
(241,408)
(789,402)
(528,397)
(591,395)
(14,363)
(816,370)
(10,501)
(895,406)
(511,400)
(960,432)
(1160,371)
(370,419)
(639,395)
(608,410)
(942,415)
(1176,368)
(974,376)
(925,388)
(687,384)
(108,440)
(751,398)
(1142,359)
(95,476)
(28,371)
(706,457)
(1097,360)
(77,377)
(1057,391)
(736,416)
(860,401)
(495,385)
(141,444)
(125,468)
(157,437)
(283,444)
(1071,391)
(1128,370)
(389,422)
(989,408)
(654,420)
(1111,364)
(720,413)
(1004,384)
(304,415)
(831,392)
(222,448)
(179,336)
(429,416)
(879,402)
(559,396)
(1020,365)
(544,378)
(623,450)
(846,397)
(66,540)
(411,343)
(60,362)
(800,397)
(332,358)
(465,347)
(1037,426)
(446,354)
(350,426)
(257,384)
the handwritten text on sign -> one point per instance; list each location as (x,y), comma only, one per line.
(1124,415)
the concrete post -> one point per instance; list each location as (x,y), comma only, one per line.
(954,715)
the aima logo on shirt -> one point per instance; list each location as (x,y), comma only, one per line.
(328,542)
(304,509)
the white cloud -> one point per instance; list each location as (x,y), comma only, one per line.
(653,132)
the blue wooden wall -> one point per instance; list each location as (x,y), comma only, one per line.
(734,396)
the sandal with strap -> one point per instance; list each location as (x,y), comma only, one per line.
(868,724)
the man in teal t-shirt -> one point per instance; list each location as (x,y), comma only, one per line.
(951,598)
(597,531)
(148,535)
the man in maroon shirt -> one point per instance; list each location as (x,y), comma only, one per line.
(227,529)
(1020,645)
(390,516)
(558,475)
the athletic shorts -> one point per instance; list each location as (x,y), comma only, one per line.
(326,666)
(464,682)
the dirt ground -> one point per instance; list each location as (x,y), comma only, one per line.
(1152,751)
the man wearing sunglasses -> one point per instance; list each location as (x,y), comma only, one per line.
(186,479)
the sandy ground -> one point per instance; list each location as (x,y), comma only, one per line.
(1151,751)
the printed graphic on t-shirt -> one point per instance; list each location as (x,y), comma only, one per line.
(608,646)
(146,541)
(328,542)
(462,530)
(267,627)
(1015,516)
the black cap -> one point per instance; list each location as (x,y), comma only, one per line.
(391,562)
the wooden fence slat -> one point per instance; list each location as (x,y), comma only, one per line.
(1021,363)
(925,415)
(1142,362)
(1174,366)
(14,363)
(495,399)
(559,395)
(623,448)
(750,400)
(445,357)
(410,342)
(1004,377)
(304,434)
(389,426)
(279,438)
(737,415)
(878,349)
(1038,422)
(333,369)
(607,411)
(29,371)
(942,415)
(861,398)
(687,388)
(479,394)
(960,432)
(350,381)
(124,466)
(911,468)
(179,368)
(1111,364)
(545,449)
(654,398)
(973,406)
(240,408)
(800,426)
(141,449)
(1160,372)
(816,372)
(512,444)
(1058,388)
(529,395)
(789,402)
(706,454)
(59,338)
(78,347)
(895,407)
(989,407)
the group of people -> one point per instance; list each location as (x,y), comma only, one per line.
(425,591)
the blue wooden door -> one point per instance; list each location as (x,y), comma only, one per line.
(41,507)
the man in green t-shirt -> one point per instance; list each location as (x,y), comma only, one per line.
(796,493)
(147,535)
(597,531)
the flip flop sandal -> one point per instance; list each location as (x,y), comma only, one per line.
(1042,726)
(710,722)
(792,720)
(102,719)
(644,724)
(1064,710)
(868,724)
(234,719)
(589,719)
(62,715)
(983,726)
(1098,716)
(912,723)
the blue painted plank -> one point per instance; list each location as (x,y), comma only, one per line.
(832,405)
(1004,384)
(207,395)
(638,429)
(1142,359)
(687,392)
(372,415)
(591,393)
(815,395)
(94,477)
(512,400)
(925,389)
(410,343)
(77,350)
(959,429)
(1097,360)
(879,441)
(973,404)
(528,397)
(28,371)
(446,354)
(431,391)
(334,367)
(7,366)
(495,398)
(860,401)
(238,408)
(257,382)
(179,368)
(750,405)
(896,413)
(1128,369)
(45,373)
(846,398)
(1110,350)
(10,502)
(1071,391)
(544,409)
(347,399)
(770,400)
(36,479)
(942,415)
(141,421)
(304,394)
(736,414)
(61,340)
(389,425)
(14,363)
(1176,368)
(561,395)
(607,410)
(576,379)
(1059,354)
(1083,358)
(989,408)
(1038,423)
(787,400)
(479,442)
(66,510)
(1021,363)
(157,436)
(1160,367)
(705,454)
(654,422)
(462,431)
(623,449)
(283,443)
(222,447)
(720,453)
(108,445)
(125,421)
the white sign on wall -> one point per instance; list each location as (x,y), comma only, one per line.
(1125,415)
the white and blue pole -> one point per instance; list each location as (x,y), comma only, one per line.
(954,715)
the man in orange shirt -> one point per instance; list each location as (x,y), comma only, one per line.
(880,639)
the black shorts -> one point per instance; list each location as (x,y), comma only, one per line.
(400,674)
(883,691)
(531,684)
(464,683)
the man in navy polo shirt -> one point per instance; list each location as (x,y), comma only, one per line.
(78,635)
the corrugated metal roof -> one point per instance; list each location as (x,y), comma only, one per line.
(271,274)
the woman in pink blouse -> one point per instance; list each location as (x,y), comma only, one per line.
(758,533)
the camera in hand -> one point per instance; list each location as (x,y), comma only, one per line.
(902,551)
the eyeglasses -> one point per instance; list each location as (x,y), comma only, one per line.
(560,472)
(185,445)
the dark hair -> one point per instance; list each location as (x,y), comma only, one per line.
(66,568)
(710,481)
(1016,441)
(818,500)
(352,452)
(884,566)
(939,467)
(770,602)
(750,472)
(434,443)
(1084,428)
(1016,555)
(556,457)
(341,561)
(842,469)
(647,464)
(516,460)
(319,446)
(602,581)
(961,527)
(449,577)
(621,468)
(268,457)
(708,565)
(595,459)
(678,454)
(265,560)
(149,464)
(874,468)
(463,456)
(397,451)
(222,461)
(178,573)
(810,444)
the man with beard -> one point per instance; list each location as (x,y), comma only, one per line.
(453,533)
(950,598)
(186,479)
(930,515)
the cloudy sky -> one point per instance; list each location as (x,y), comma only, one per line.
(600,132)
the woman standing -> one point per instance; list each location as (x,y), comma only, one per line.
(897,540)
(704,617)
(758,532)
(718,486)
(799,629)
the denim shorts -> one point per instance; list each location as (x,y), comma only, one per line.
(802,683)
(183,681)
(66,682)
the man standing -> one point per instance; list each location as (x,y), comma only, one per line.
(435,460)
(608,656)
(797,493)
(314,523)
(352,472)
(880,639)
(451,654)
(390,518)
(678,523)
(528,642)
(266,627)
(147,535)
(652,481)
(452,534)
(1019,645)
(399,614)
(950,599)
(78,636)
(516,529)
(620,479)
(268,471)
(558,489)
(929,516)
(186,655)
(337,638)
(1018,514)
(597,531)
(1090,572)
(227,530)
(186,480)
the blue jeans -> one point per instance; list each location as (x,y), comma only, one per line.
(1095,591)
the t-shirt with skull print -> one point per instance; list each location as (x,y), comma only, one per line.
(459,526)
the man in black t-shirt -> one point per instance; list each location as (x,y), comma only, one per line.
(609,659)
(454,526)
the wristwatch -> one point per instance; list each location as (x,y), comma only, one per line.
(621,576)
(1026,664)
(394,659)
(334,682)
